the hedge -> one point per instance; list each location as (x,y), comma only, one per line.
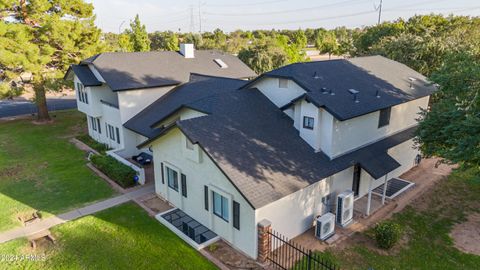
(86,139)
(117,171)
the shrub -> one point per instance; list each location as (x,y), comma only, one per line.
(117,171)
(100,147)
(387,234)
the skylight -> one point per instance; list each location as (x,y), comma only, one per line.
(220,63)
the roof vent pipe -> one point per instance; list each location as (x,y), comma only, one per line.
(315,75)
(331,92)
(377,94)
(355,98)
(324,90)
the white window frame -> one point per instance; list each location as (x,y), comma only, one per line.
(224,211)
(172,183)
(306,125)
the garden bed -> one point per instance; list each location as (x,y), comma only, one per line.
(99,147)
(117,171)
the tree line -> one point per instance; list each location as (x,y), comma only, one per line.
(43,37)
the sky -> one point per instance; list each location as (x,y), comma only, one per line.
(207,15)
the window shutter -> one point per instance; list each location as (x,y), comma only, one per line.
(163,177)
(99,126)
(236,215)
(118,135)
(184,185)
(205,191)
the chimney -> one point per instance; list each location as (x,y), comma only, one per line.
(187,50)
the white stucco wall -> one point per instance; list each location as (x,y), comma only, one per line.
(279,96)
(133,101)
(351,134)
(311,136)
(171,150)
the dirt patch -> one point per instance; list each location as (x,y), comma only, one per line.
(466,235)
(156,204)
(12,172)
(231,257)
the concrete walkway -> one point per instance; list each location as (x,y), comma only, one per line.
(74,214)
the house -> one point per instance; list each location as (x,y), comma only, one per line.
(283,146)
(113,87)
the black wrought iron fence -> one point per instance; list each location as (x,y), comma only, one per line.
(286,254)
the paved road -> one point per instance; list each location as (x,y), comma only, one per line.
(15,107)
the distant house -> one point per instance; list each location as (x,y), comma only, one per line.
(113,87)
(281,147)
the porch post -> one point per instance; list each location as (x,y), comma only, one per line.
(369,196)
(384,189)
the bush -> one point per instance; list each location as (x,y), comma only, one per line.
(387,234)
(117,171)
(100,147)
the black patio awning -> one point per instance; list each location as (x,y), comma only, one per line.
(379,165)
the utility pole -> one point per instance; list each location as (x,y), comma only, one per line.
(192,21)
(380,11)
(199,17)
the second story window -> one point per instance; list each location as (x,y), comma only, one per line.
(384,118)
(308,122)
(82,93)
(282,83)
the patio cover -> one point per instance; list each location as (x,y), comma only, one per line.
(379,165)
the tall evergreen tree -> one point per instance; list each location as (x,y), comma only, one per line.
(138,36)
(44,37)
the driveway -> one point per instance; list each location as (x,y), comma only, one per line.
(10,108)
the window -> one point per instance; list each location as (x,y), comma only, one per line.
(282,83)
(111,132)
(220,206)
(188,144)
(82,93)
(308,122)
(93,122)
(172,179)
(118,135)
(384,118)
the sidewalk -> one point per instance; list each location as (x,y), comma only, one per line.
(74,214)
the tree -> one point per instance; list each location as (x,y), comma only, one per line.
(44,38)
(263,56)
(327,43)
(138,36)
(452,126)
(164,41)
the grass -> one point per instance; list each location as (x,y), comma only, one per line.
(40,169)
(124,237)
(429,245)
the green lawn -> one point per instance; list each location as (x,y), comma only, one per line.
(40,169)
(124,237)
(429,245)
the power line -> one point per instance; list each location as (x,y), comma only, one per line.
(249,4)
(282,11)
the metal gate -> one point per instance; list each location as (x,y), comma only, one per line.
(285,254)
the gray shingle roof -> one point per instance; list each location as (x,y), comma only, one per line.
(135,70)
(255,144)
(198,87)
(371,76)
(85,75)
